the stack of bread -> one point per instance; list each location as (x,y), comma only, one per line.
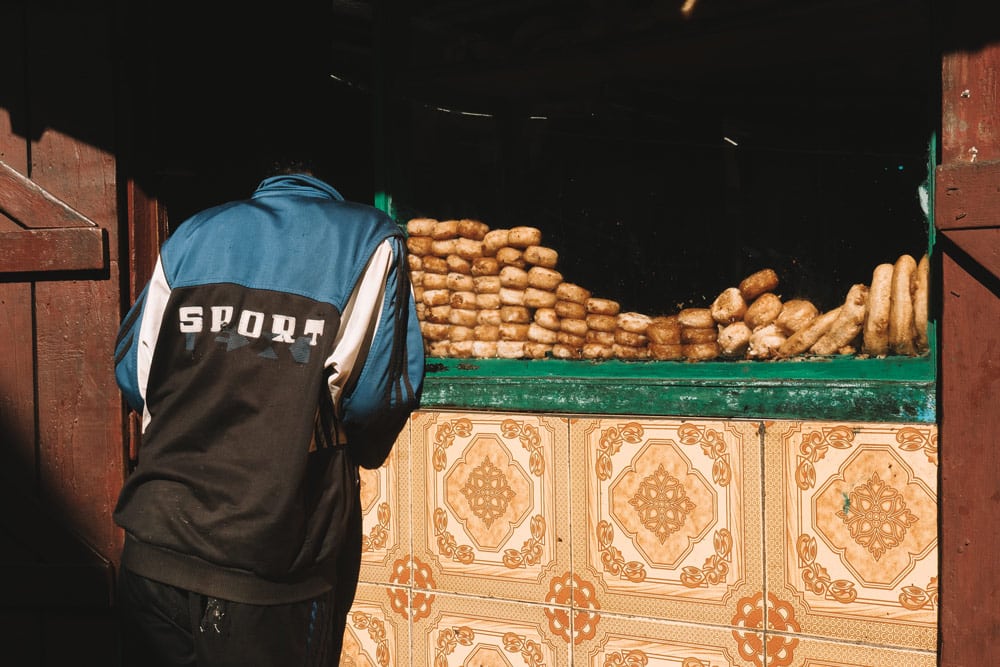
(484,293)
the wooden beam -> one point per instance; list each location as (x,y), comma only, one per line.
(67,249)
(29,204)
(967,196)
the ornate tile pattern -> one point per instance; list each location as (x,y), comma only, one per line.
(385,506)
(490,507)
(376,635)
(666,515)
(462,630)
(630,642)
(811,652)
(852,532)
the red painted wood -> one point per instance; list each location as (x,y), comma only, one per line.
(26,202)
(970,97)
(967,195)
(79,406)
(71,249)
(982,245)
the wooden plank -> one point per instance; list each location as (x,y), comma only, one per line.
(25,201)
(69,249)
(970,461)
(967,196)
(79,406)
(982,245)
(970,97)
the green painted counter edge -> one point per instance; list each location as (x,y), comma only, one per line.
(899,389)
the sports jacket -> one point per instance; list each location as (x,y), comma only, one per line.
(275,349)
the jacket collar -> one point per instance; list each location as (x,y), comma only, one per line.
(296,184)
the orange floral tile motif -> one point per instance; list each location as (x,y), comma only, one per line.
(406,572)
(668,509)
(770,650)
(860,529)
(576,617)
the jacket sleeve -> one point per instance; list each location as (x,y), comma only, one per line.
(377,366)
(137,340)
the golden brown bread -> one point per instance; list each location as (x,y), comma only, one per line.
(875,331)
(848,324)
(807,336)
(901,326)
(765,280)
(921,299)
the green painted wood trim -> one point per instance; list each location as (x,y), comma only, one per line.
(879,390)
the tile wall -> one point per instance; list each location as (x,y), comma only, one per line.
(527,539)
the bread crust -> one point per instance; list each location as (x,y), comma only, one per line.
(763,311)
(921,304)
(807,336)
(729,306)
(901,325)
(875,331)
(765,280)
(848,324)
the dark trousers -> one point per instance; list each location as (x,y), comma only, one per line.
(165,626)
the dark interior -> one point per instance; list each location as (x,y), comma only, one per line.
(665,154)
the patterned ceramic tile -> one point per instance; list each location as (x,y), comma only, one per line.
(385,503)
(377,633)
(629,642)
(851,531)
(490,502)
(811,652)
(464,630)
(667,515)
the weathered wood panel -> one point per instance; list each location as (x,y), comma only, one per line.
(970,367)
(79,406)
(73,249)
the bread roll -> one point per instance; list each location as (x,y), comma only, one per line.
(508,256)
(439,314)
(516,314)
(875,331)
(547,318)
(901,322)
(494,240)
(630,338)
(561,351)
(510,296)
(795,315)
(434,264)
(692,335)
(543,278)
(457,264)
(700,351)
(603,306)
(571,309)
(472,229)
(512,276)
(539,298)
(629,352)
(571,292)
(633,322)
(534,350)
(734,340)
(419,245)
(664,330)
(420,226)
(921,303)
(765,280)
(462,349)
(602,337)
(666,351)
(541,256)
(597,351)
(437,297)
(848,324)
(464,300)
(540,334)
(485,266)
(466,317)
(524,237)
(414,262)
(513,331)
(445,229)
(487,284)
(573,326)
(439,348)
(729,306)
(699,318)
(484,349)
(602,322)
(457,332)
(567,338)
(434,331)
(806,337)
(443,248)
(510,349)
(434,281)
(764,310)
(416,278)
(469,249)
(765,341)
(459,282)
(486,332)
(488,317)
